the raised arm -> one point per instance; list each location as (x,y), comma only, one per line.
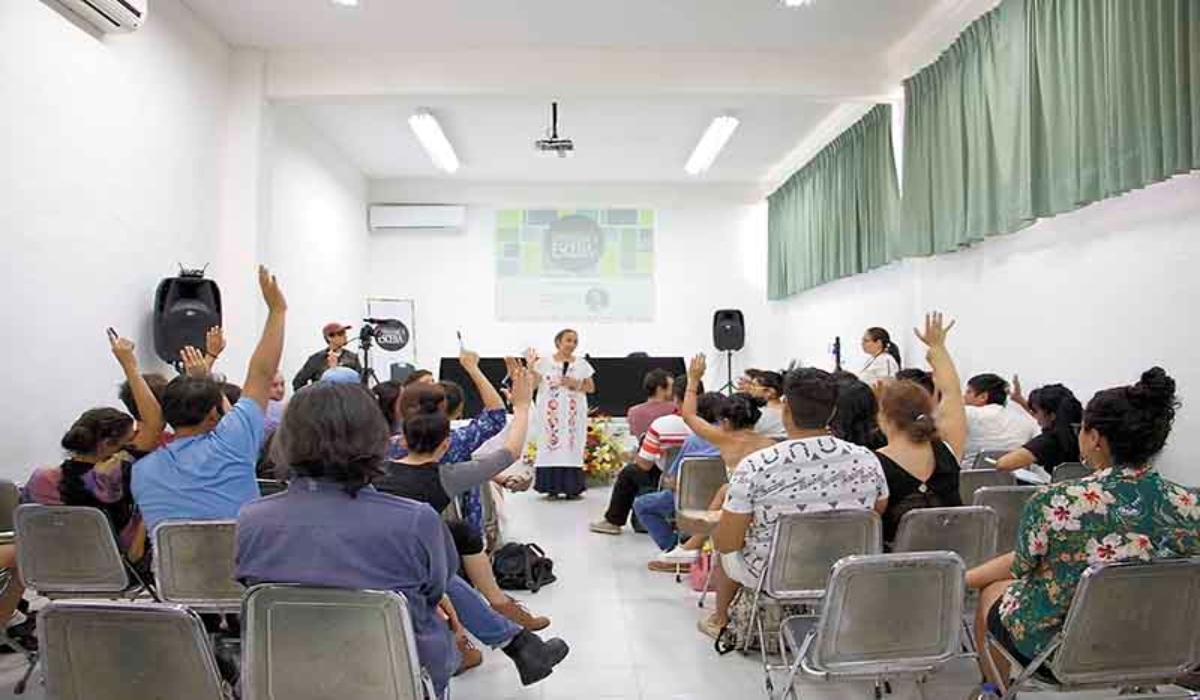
(265,361)
(952,414)
(1018,396)
(487,393)
(699,426)
(214,345)
(523,382)
(151,425)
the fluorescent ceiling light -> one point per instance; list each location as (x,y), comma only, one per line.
(797,3)
(434,140)
(710,145)
(345,3)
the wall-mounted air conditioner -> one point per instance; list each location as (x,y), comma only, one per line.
(109,16)
(390,217)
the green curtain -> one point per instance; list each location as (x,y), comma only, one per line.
(834,216)
(1043,106)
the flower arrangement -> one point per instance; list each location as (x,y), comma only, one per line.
(601,452)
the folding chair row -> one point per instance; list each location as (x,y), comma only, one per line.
(115,651)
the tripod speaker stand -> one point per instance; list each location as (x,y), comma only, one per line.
(729,336)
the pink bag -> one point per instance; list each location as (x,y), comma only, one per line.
(700,572)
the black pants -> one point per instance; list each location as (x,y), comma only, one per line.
(631,481)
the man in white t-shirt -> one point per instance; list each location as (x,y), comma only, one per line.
(666,433)
(811,471)
(767,386)
(993,425)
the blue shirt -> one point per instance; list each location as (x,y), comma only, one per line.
(315,534)
(204,477)
(693,446)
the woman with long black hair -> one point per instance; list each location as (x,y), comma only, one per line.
(1059,414)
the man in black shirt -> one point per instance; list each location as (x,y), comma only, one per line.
(335,355)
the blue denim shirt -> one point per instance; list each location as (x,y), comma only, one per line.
(315,534)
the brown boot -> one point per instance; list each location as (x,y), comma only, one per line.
(470,655)
(518,614)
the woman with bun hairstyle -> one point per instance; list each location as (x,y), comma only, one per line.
(924,441)
(884,356)
(1125,510)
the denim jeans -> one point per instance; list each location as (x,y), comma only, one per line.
(485,624)
(654,511)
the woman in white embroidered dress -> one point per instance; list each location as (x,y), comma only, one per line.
(564,382)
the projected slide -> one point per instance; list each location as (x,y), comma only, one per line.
(575,265)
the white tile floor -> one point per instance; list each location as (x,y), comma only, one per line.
(632,632)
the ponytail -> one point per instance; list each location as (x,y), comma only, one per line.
(882,336)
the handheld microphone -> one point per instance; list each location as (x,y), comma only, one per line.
(566,366)
(378,321)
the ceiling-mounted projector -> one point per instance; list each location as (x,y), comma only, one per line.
(553,145)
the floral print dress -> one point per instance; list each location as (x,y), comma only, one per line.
(1118,514)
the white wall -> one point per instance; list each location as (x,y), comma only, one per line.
(708,255)
(316,240)
(108,162)
(1089,299)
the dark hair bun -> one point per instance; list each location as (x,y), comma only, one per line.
(80,438)
(1156,389)
(429,402)
(742,411)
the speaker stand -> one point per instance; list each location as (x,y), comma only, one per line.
(729,387)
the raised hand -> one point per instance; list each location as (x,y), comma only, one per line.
(122,349)
(469,359)
(1015,392)
(522,387)
(531,357)
(510,365)
(936,330)
(697,368)
(193,362)
(271,293)
(214,342)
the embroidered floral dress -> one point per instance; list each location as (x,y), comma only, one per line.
(1118,514)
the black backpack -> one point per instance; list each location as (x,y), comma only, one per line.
(521,567)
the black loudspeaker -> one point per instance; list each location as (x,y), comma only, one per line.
(729,330)
(185,307)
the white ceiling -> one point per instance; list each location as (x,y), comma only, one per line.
(634,139)
(840,26)
(638,80)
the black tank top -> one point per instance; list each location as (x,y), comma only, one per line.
(906,492)
(420,483)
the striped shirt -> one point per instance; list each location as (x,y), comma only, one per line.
(665,433)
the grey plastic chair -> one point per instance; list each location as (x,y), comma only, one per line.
(10,497)
(804,548)
(969,480)
(1009,503)
(70,552)
(290,632)
(1131,626)
(100,650)
(968,531)
(906,611)
(1069,471)
(986,459)
(31,657)
(194,565)
(699,481)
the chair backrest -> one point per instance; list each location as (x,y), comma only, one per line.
(194,564)
(101,650)
(1132,622)
(290,632)
(986,459)
(68,549)
(10,496)
(699,480)
(268,487)
(1069,471)
(971,479)
(968,531)
(669,455)
(891,612)
(1009,503)
(805,547)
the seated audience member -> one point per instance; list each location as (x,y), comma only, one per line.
(884,356)
(664,434)
(659,402)
(419,376)
(856,418)
(920,376)
(655,510)
(275,404)
(812,471)
(387,394)
(334,354)
(466,439)
(993,425)
(341,375)
(924,442)
(420,475)
(1058,413)
(208,471)
(767,386)
(157,383)
(102,446)
(332,528)
(1124,511)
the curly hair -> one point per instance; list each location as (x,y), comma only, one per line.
(1135,420)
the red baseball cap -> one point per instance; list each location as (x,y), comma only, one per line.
(334,328)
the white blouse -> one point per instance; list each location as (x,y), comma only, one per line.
(882,366)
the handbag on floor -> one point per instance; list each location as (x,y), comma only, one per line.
(522,567)
(741,636)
